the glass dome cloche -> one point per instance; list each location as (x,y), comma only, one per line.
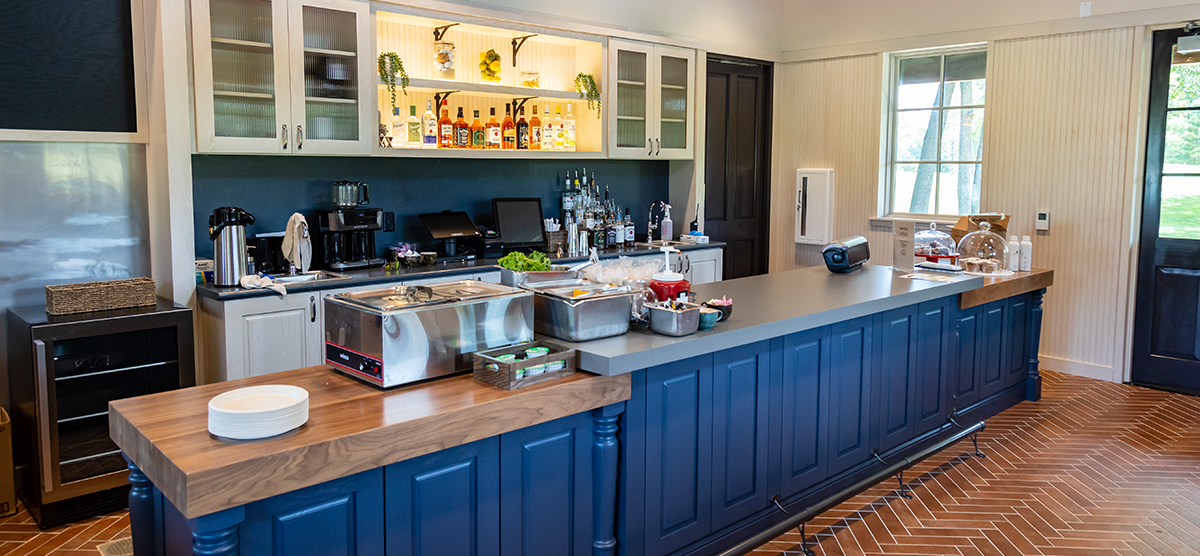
(983,252)
(935,246)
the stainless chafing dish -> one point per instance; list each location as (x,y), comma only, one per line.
(401,334)
(601,311)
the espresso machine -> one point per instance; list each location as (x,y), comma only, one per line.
(347,233)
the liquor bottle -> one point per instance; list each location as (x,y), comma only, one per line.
(522,132)
(396,129)
(568,199)
(601,237)
(535,131)
(611,225)
(478,137)
(630,230)
(462,132)
(569,130)
(445,128)
(429,127)
(493,131)
(560,137)
(508,130)
(547,131)
(414,128)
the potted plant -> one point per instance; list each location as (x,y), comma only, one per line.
(389,67)
(585,84)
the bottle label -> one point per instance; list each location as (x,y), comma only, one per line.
(535,136)
(430,131)
(478,138)
(523,137)
(548,138)
(447,131)
(414,132)
(463,137)
(493,135)
(629,230)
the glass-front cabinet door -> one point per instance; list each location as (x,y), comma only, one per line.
(676,72)
(332,100)
(630,132)
(654,98)
(242,92)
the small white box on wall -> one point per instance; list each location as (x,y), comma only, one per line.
(814,206)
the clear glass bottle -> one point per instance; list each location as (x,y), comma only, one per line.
(547,130)
(569,130)
(443,60)
(413,125)
(396,128)
(568,198)
(560,136)
(429,126)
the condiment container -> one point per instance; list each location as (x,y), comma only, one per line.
(681,321)
(667,285)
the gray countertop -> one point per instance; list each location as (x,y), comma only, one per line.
(368,276)
(769,306)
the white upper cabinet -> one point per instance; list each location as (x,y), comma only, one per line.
(652,100)
(283,76)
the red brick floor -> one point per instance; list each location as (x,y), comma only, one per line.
(1094,469)
(20,536)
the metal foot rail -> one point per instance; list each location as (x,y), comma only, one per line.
(809,512)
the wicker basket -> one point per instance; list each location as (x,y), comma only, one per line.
(86,297)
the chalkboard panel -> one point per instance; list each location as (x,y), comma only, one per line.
(67,65)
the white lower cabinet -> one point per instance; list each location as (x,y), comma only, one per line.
(703,266)
(261,335)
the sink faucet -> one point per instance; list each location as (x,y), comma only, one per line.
(650,225)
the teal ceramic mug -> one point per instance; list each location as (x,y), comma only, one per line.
(709,318)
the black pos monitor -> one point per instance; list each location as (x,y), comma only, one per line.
(519,222)
(449,226)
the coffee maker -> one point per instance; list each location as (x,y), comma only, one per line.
(347,233)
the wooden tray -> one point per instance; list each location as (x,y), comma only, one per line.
(514,375)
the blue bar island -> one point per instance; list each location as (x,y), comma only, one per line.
(665,446)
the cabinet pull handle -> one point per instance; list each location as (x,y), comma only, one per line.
(312,308)
(43,413)
(299,137)
(284,136)
(657,146)
(651,143)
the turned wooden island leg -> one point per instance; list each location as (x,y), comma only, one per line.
(1033,384)
(143,518)
(217,534)
(605,453)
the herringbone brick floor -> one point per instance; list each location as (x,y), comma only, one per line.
(20,536)
(1094,468)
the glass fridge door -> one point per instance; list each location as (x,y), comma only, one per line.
(242,97)
(330,50)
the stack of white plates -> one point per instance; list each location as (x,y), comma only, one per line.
(257,411)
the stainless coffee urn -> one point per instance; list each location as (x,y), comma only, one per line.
(227,229)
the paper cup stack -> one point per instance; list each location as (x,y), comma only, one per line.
(257,411)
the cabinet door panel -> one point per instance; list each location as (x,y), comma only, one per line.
(994,318)
(850,393)
(546,489)
(630,64)
(1016,365)
(338,518)
(675,76)
(805,397)
(446,503)
(740,404)
(966,367)
(678,454)
(897,365)
(277,341)
(331,77)
(935,355)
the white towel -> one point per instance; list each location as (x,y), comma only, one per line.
(254,282)
(297,244)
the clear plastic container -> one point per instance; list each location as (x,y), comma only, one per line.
(443,60)
(983,252)
(935,246)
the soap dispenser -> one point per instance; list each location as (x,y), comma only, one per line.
(669,284)
(668,231)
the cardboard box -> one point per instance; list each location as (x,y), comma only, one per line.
(8,492)
(968,224)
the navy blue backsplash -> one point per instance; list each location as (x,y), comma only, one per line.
(273,187)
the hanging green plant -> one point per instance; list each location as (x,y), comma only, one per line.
(585,84)
(389,66)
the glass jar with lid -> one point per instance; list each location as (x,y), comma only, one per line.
(531,79)
(443,60)
(935,246)
(983,252)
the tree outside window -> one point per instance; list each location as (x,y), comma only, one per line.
(936,144)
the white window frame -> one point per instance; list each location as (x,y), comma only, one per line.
(891,111)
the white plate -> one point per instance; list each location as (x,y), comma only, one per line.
(257,411)
(989,275)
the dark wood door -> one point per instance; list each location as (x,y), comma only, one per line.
(736,162)
(1166,341)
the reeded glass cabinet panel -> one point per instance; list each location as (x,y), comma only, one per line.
(242,102)
(330,44)
(676,72)
(655,97)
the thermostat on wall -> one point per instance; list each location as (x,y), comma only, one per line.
(1043,221)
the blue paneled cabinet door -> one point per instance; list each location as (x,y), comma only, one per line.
(678,454)
(343,517)
(446,503)
(546,489)
(741,391)
(896,361)
(935,360)
(849,410)
(990,347)
(1016,364)
(964,383)
(803,407)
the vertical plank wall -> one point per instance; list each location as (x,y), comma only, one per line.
(1056,137)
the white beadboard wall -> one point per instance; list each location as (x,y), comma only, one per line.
(1056,138)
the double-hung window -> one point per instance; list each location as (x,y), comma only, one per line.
(935,143)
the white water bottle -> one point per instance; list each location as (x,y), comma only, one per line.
(1026,253)
(1014,253)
